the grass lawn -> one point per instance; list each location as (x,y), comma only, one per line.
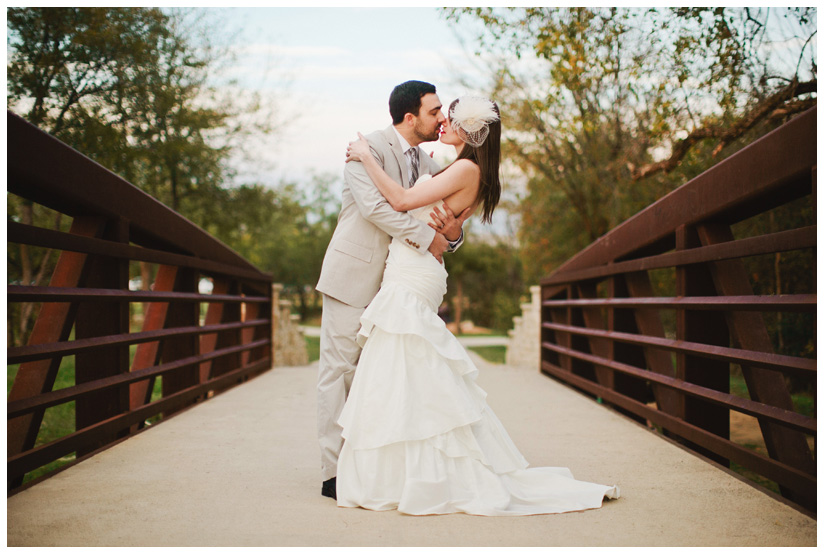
(804,403)
(58,421)
(494,353)
(313,347)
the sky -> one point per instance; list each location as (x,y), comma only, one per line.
(331,71)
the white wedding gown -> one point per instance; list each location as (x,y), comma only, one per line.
(418,434)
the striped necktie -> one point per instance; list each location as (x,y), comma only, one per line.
(413,152)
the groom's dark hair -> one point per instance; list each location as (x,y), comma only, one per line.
(406,99)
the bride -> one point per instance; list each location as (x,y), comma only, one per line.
(418,434)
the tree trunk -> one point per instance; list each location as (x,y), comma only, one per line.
(173,177)
(458,302)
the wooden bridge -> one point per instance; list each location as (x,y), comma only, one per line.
(241,469)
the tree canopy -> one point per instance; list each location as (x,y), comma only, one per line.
(607,109)
(139,90)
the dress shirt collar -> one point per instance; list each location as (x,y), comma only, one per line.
(405,146)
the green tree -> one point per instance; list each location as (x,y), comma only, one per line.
(591,105)
(485,283)
(137,90)
(64,66)
(184,122)
(67,62)
(298,258)
(283,230)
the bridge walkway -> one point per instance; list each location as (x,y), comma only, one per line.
(242,470)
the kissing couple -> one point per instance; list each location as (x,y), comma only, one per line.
(402,423)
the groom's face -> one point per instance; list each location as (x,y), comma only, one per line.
(430,119)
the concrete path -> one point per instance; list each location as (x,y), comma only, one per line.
(242,470)
(484,340)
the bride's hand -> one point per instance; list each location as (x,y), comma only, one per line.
(358,150)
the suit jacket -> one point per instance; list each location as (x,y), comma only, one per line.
(354,262)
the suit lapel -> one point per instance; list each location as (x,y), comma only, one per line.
(400,159)
(429,166)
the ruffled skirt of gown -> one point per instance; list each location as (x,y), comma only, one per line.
(418,434)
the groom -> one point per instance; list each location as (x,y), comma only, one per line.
(354,262)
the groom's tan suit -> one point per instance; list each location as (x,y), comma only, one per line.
(351,276)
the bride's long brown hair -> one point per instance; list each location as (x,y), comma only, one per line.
(488,158)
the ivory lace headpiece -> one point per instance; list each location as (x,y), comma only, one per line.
(471,118)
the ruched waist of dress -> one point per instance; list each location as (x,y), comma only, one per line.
(421,274)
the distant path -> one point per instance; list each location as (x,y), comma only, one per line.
(484,340)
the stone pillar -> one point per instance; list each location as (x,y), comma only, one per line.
(288,345)
(523,348)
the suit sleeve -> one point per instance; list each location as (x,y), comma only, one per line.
(374,207)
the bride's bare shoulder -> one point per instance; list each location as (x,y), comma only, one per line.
(466,167)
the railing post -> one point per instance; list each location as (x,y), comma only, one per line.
(575,317)
(219,313)
(707,328)
(624,320)
(253,312)
(275,310)
(565,339)
(181,314)
(100,318)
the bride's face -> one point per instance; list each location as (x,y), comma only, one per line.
(449,136)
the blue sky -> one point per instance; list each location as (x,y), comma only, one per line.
(341,64)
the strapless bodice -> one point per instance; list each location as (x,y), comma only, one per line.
(423,213)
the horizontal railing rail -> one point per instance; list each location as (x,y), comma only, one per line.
(63,348)
(659,315)
(55,294)
(137,355)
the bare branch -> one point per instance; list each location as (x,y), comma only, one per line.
(771,108)
(802,51)
(792,108)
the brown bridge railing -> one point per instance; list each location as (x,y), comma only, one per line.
(666,357)
(85,311)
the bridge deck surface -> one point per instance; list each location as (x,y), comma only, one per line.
(242,470)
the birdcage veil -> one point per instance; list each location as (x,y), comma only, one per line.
(471,118)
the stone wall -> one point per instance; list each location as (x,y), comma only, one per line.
(523,348)
(288,345)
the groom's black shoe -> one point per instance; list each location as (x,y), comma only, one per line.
(328,489)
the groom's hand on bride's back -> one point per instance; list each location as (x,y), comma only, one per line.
(438,246)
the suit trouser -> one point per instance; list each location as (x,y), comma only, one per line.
(338,358)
